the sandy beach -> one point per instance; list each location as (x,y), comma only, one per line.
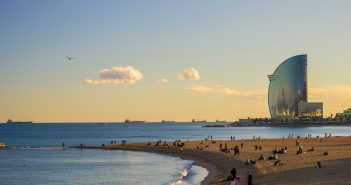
(289,168)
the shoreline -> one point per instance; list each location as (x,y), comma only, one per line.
(293,168)
(216,170)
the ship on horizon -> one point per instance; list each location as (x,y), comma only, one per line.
(101,123)
(198,121)
(131,121)
(9,121)
(166,121)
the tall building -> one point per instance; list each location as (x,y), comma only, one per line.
(288,87)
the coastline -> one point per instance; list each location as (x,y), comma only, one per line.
(294,169)
(283,124)
(217,164)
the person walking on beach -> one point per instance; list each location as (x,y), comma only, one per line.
(236,150)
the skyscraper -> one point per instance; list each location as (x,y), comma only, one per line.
(288,87)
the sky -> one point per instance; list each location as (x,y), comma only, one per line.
(165,60)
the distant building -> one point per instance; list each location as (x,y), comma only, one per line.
(346,115)
(246,121)
(310,110)
(288,88)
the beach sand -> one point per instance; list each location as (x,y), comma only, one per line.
(294,169)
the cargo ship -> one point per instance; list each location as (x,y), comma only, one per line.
(165,121)
(130,121)
(18,122)
(198,121)
(102,123)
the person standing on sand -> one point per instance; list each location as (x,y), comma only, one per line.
(233,173)
(249,178)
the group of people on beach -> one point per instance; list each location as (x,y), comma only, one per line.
(258,147)
(113,142)
(235,179)
(235,148)
(283,150)
(254,137)
(223,149)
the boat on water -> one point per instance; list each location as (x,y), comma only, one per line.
(198,121)
(131,121)
(102,123)
(18,122)
(165,121)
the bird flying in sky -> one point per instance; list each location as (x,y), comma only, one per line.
(70,58)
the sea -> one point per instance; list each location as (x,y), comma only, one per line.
(35,154)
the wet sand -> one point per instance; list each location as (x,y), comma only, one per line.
(294,169)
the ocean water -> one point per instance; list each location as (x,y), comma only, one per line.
(97,134)
(77,167)
(48,163)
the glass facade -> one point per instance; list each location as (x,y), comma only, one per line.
(310,110)
(288,87)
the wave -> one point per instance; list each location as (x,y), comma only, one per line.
(184,173)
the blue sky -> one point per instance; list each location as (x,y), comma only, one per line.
(232,44)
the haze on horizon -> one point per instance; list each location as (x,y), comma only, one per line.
(172,60)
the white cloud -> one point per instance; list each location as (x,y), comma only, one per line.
(199,89)
(238,93)
(117,75)
(189,74)
(162,81)
(225,91)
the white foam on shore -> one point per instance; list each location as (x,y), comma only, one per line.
(190,175)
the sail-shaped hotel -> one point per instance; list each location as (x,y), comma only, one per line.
(287,94)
